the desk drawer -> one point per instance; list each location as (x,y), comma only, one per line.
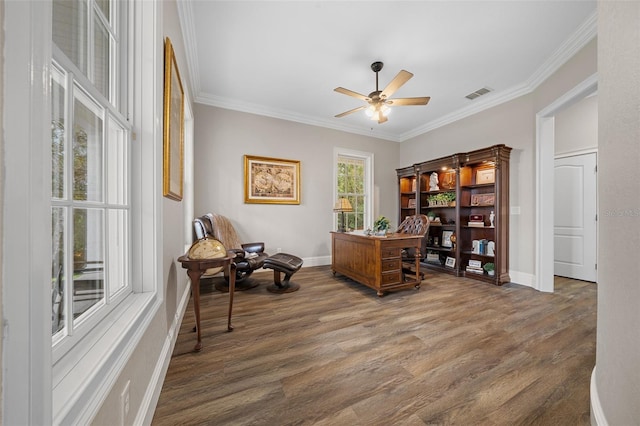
(389,278)
(392,252)
(389,265)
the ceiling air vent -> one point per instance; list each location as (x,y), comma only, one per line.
(478,93)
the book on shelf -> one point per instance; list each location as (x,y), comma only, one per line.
(474,270)
(475,224)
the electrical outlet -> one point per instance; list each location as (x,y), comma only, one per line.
(279,250)
(124,403)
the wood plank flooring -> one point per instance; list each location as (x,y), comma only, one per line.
(454,352)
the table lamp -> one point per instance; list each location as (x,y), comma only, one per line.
(343,205)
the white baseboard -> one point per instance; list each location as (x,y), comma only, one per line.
(597,414)
(316,261)
(152,394)
(522,278)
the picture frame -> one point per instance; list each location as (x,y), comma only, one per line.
(485,176)
(411,203)
(475,263)
(271,180)
(450,262)
(446,239)
(488,199)
(173,131)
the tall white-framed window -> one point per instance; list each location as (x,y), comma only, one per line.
(353,180)
(90,152)
(64,384)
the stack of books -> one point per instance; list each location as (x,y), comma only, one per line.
(475,267)
(475,270)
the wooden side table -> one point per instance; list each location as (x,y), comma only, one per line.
(195,268)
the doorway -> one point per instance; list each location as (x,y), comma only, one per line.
(545,142)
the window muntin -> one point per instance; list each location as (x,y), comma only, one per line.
(90,146)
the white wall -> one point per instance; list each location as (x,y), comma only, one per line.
(616,388)
(576,128)
(223,137)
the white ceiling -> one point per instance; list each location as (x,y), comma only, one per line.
(284,58)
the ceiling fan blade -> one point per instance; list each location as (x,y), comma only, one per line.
(352,93)
(408,101)
(400,79)
(360,108)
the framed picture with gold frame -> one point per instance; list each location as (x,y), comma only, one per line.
(173,161)
(271,180)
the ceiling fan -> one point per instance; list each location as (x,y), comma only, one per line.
(379,101)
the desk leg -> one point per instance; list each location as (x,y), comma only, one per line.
(195,275)
(232,289)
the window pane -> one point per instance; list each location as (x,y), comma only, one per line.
(70,30)
(88,259)
(87,150)
(118,250)
(117,172)
(57,136)
(101,59)
(57,269)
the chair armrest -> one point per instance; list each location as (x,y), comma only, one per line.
(253,247)
(239,253)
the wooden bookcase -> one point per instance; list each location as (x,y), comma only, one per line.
(472,193)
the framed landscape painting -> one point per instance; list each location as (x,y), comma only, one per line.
(271,180)
(173,126)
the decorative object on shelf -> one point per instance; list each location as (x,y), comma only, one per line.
(446,239)
(475,246)
(343,205)
(443,199)
(476,220)
(433,182)
(449,181)
(451,262)
(490,268)
(485,176)
(483,199)
(411,203)
(436,242)
(173,152)
(491,248)
(453,239)
(492,217)
(474,266)
(271,180)
(381,225)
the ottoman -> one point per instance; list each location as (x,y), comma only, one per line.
(287,264)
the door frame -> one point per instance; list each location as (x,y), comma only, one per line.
(545,157)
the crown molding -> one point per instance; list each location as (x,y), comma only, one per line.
(185,16)
(267,111)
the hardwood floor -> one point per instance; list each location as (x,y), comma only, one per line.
(455,352)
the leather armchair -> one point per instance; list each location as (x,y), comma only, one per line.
(249,256)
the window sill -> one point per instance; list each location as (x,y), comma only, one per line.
(83,378)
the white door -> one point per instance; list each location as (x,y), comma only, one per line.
(575,217)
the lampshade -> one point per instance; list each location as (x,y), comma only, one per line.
(343,205)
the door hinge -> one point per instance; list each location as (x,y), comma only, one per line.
(596,266)
(596,217)
(595,169)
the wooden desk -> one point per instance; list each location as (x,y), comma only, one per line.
(195,268)
(375,261)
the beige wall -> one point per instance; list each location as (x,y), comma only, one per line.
(223,137)
(576,128)
(1,197)
(617,378)
(513,124)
